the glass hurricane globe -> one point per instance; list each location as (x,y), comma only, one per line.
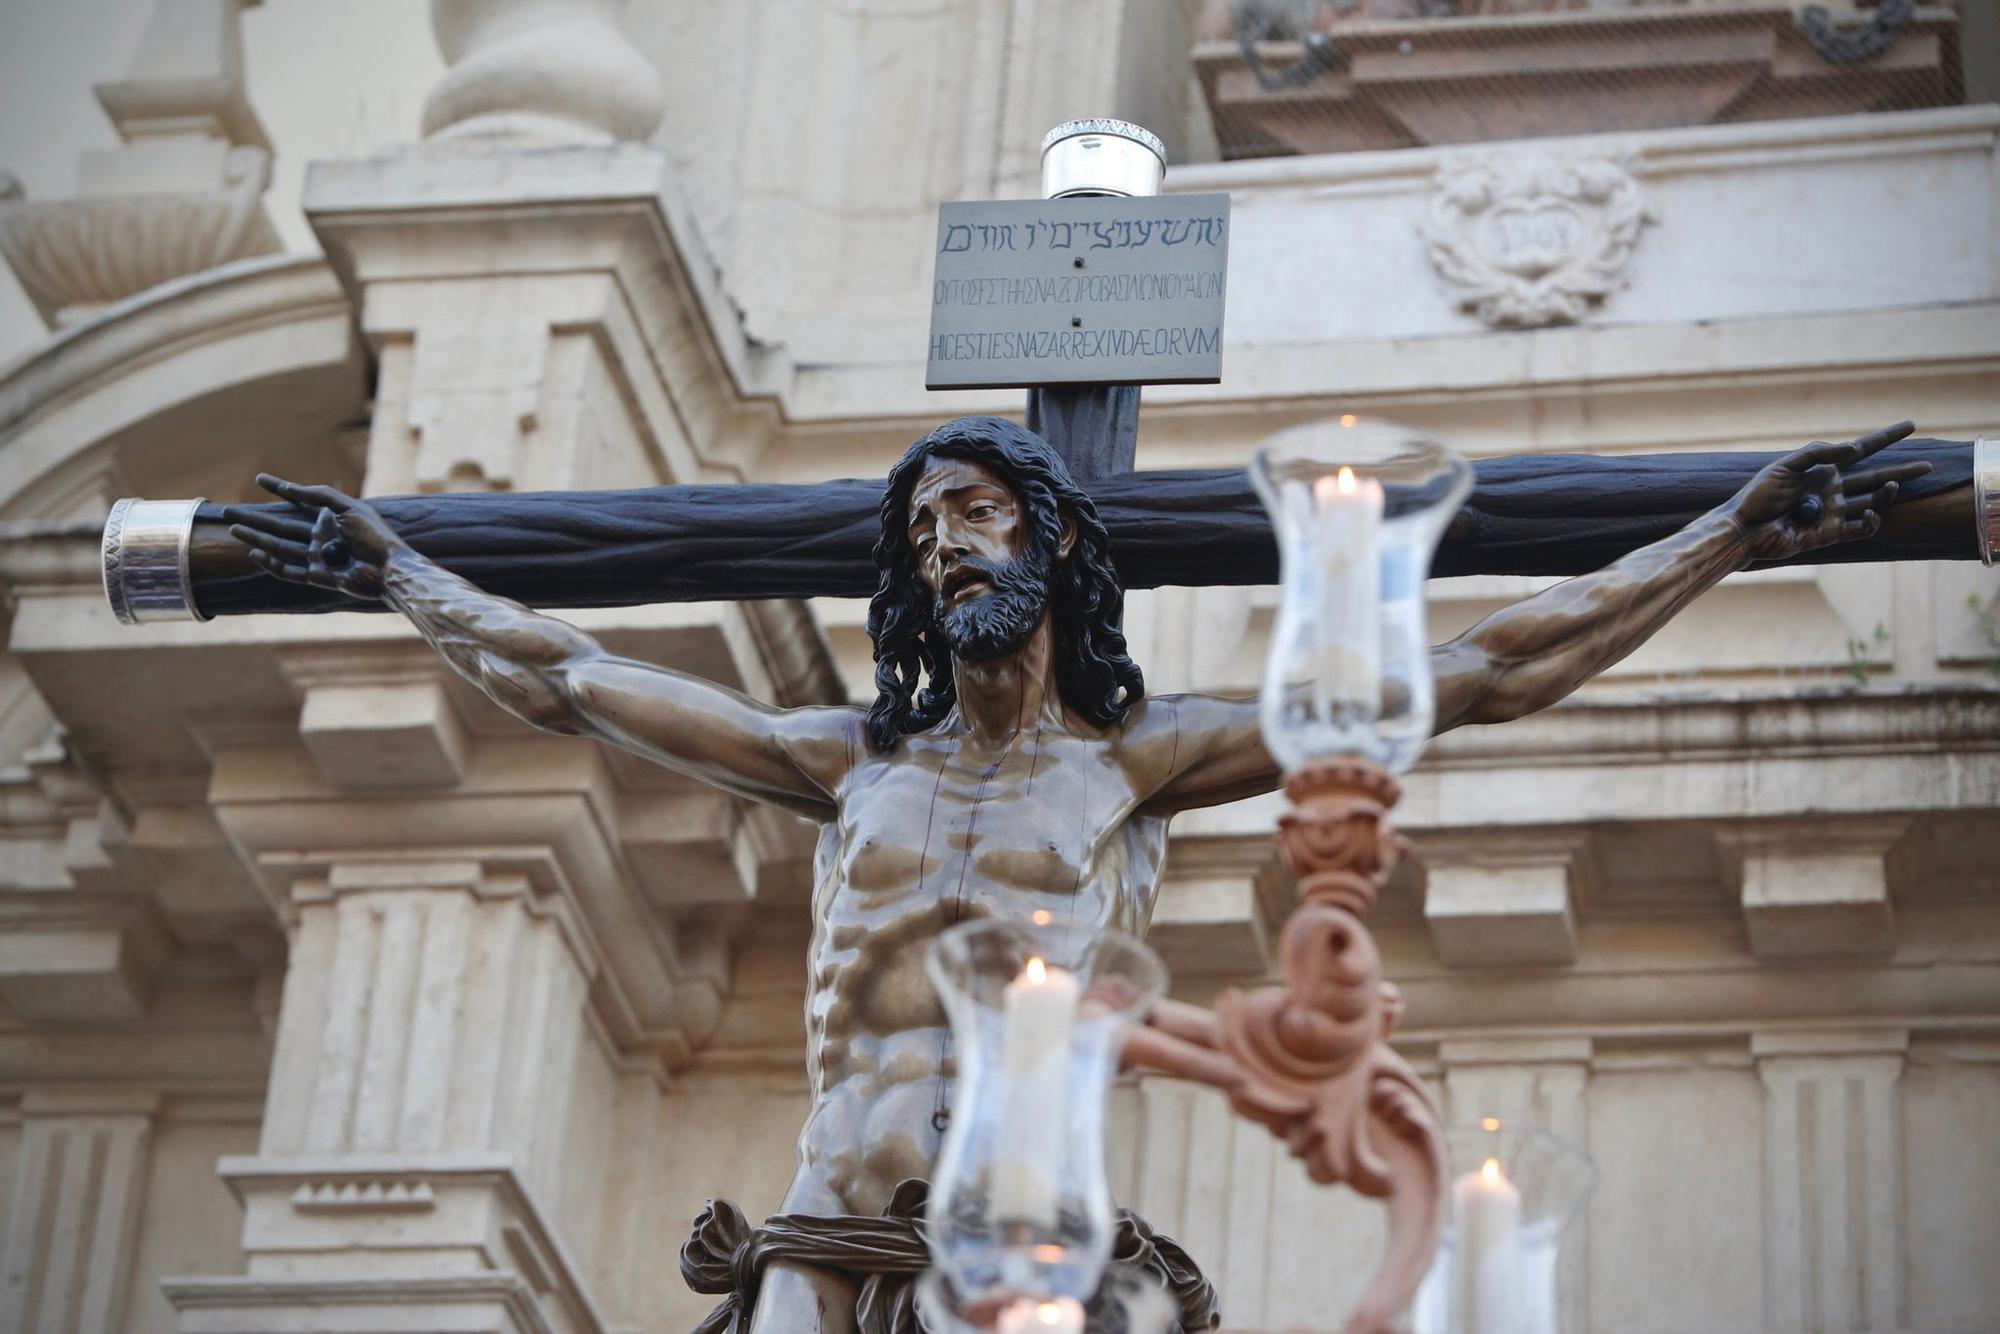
(1020,1202)
(1358,507)
(1515,1190)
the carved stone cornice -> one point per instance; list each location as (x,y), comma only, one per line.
(579,238)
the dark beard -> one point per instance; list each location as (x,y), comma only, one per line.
(998,621)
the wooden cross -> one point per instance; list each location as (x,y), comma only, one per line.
(1535,514)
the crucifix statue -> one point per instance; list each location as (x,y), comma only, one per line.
(1012,761)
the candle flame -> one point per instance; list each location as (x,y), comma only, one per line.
(1490,1123)
(1049,1313)
(1348,485)
(1037,971)
(1347,419)
(1489,1171)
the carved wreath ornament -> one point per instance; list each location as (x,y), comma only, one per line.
(1533,240)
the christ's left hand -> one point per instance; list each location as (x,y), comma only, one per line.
(1815,497)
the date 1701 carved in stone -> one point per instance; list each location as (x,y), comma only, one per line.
(1533,240)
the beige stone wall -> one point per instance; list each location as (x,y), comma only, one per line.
(360,996)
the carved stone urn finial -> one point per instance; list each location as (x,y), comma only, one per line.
(538,73)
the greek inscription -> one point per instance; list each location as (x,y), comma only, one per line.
(1070,288)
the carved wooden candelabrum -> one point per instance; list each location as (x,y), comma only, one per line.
(1347,704)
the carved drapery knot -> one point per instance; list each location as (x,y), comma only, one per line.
(1337,838)
(1531,240)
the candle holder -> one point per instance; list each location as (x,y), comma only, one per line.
(1358,507)
(1515,1191)
(1347,704)
(1020,1204)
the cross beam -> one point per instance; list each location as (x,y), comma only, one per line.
(1545,514)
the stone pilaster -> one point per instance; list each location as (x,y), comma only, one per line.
(1539,1082)
(436,1080)
(77,1192)
(1833,1180)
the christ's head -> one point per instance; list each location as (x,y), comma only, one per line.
(985,536)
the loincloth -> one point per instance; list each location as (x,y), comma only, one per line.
(882,1257)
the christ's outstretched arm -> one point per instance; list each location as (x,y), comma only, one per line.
(551,674)
(1526,657)
(1204,750)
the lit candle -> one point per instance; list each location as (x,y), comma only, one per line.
(1487,1210)
(1040,1010)
(1064,1315)
(1349,510)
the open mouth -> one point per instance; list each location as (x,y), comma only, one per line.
(962,583)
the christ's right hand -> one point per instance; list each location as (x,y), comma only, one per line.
(331,540)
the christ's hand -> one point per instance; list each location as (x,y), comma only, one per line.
(333,541)
(1812,497)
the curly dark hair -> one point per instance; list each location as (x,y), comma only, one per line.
(1095,676)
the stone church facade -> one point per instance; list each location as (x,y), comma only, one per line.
(333,999)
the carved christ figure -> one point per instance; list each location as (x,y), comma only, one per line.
(1011,760)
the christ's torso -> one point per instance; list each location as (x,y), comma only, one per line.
(937,832)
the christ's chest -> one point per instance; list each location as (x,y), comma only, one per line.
(985,825)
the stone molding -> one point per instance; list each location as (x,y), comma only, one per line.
(382,1229)
(494,1303)
(1526,239)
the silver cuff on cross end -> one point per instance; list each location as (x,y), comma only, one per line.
(1986,495)
(146,561)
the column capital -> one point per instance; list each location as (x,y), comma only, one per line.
(499,288)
